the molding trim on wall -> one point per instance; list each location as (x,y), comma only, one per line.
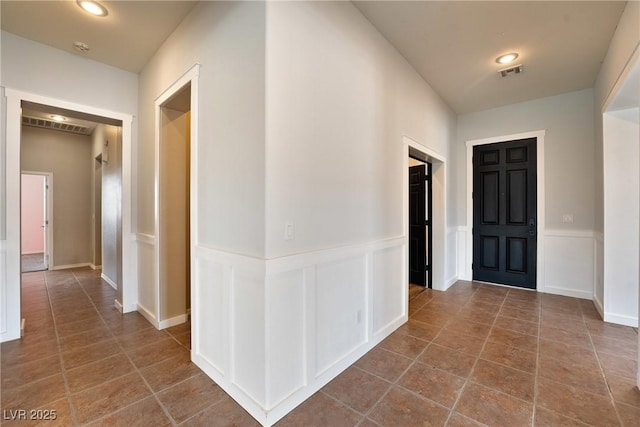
(578,234)
(95,267)
(111,283)
(117,305)
(67,266)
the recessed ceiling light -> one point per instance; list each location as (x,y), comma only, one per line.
(505,59)
(93,7)
(58,118)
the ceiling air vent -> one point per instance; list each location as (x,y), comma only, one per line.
(50,124)
(516,69)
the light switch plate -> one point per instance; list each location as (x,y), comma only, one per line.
(289,231)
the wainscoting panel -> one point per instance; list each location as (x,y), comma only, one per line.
(463,257)
(341,300)
(147,294)
(598,254)
(273,332)
(228,324)
(389,297)
(286,320)
(569,263)
(210,311)
(248,331)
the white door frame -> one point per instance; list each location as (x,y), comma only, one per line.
(48,244)
(539,135)
(439,210)
(10,315)
(190,76)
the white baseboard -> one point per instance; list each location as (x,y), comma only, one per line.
(149,316)
(32,252)
(109,281)
(95,267)
(621,319)
(177,320)
(68,266)
(599,306)
(567,292)
(448,283)
(117,305)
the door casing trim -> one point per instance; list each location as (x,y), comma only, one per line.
(539,135)
(10,288)
(439,209)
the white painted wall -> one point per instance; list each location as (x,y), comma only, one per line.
(339,99)
(621,213)
(568,175)
(227,38)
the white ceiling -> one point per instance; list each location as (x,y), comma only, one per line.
(452,44)
(127,38)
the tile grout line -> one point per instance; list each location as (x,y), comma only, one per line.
(602,373)
(137,370)
(135,367)
(475,363)
(536,373)
(395,383)
(63,370)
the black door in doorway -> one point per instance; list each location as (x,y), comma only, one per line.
(420,241)
(504,213)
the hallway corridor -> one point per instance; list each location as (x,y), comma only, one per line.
(474,355)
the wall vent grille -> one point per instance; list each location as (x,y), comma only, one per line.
(50,124)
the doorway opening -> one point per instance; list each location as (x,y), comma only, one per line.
(420,225)
(35,227)
(17,103)
(174,208)
(429,214)
(84,153)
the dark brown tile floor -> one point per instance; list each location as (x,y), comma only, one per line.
(474,355)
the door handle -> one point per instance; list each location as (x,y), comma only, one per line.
(532,226)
